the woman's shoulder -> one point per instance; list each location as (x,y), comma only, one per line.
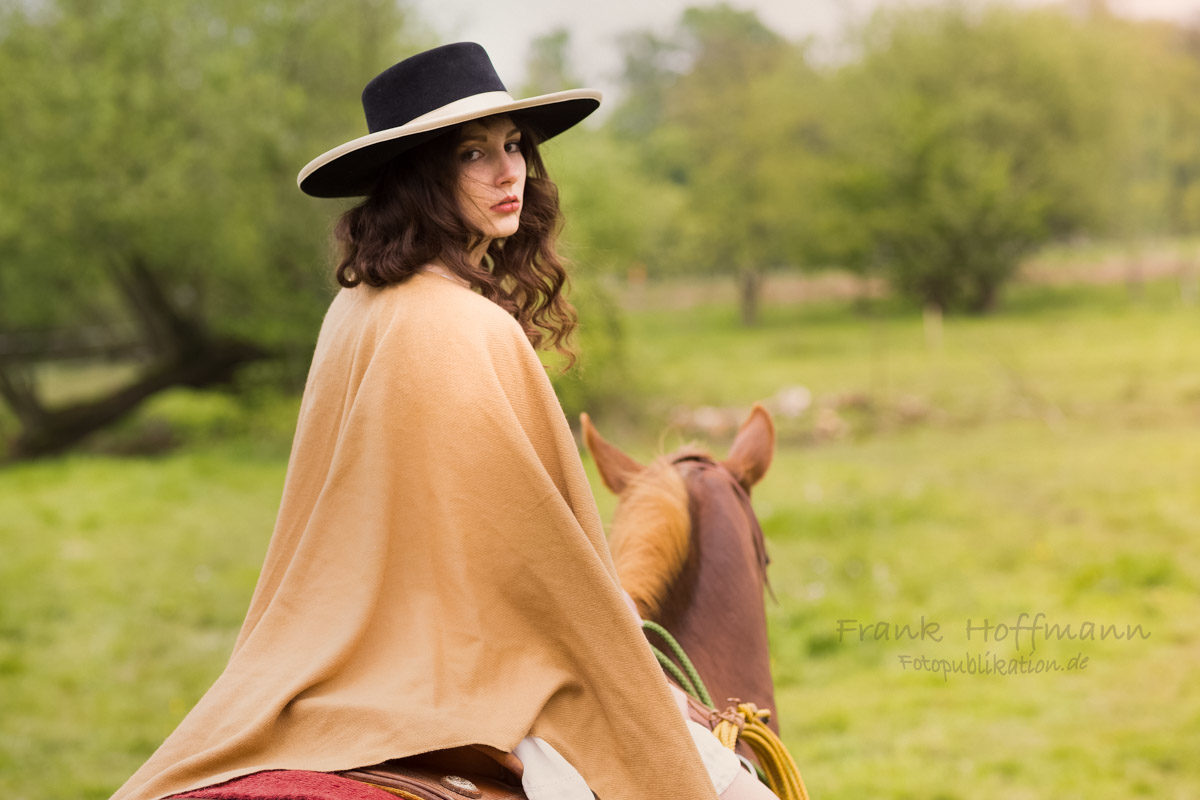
(423,299)
(429,309)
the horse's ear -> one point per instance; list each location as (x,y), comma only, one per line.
(752,449)
(616,468)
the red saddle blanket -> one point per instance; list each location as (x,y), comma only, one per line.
(289,785)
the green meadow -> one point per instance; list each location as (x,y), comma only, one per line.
(937,484)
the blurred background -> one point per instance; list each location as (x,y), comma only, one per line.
(953,247)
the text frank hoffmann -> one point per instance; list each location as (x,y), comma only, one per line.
(1024,633)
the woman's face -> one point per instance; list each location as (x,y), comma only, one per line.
(491,176)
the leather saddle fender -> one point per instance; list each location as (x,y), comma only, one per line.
(475,772)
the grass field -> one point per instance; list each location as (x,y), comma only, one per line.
(1041,461)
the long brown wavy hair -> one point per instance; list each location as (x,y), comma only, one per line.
(411,218)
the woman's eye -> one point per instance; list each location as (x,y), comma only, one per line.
(471,155)
(513,146)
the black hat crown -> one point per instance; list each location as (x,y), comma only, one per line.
(426,82)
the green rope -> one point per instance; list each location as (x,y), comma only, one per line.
(687,677)
(675,672)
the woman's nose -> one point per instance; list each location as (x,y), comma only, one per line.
(509,169)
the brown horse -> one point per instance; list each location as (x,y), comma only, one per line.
(689,551)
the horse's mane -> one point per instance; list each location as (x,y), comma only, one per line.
(651,534)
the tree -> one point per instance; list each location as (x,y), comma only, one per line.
(150,150)
(968,138)
(648,75)
(724,113)
(605,204)
(548,66)
(1155,113)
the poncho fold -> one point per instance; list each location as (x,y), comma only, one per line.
(438,574)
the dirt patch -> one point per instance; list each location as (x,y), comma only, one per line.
(779,288)
(639,293)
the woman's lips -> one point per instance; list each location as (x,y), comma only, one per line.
(507,205)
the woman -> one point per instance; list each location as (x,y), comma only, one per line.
(438,576)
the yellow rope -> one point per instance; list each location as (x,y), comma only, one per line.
(747,722)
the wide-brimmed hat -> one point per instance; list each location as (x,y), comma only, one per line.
(415,100)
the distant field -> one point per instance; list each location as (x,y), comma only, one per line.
(1040,461)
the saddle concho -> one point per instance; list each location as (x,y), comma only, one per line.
(456,774)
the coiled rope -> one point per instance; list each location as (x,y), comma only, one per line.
(747,722)
(743,721)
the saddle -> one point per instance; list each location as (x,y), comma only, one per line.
(475,772)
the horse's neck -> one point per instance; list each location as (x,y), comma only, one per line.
(717,611)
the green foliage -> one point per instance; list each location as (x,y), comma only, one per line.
(972,137)
(721,114)
(599,379)
(618,218)
(949,144)
(649,77)
(606,202)
(1155,169)
(168,134)
(548,67)
(954,140)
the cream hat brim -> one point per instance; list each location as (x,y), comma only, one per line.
(351,169)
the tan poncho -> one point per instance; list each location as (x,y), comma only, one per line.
(438,574)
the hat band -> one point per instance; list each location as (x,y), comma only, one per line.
(466,105)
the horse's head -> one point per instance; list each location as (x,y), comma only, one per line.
(690,552)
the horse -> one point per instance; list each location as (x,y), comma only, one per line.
(690,552)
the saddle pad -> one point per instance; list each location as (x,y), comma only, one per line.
(289,785)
